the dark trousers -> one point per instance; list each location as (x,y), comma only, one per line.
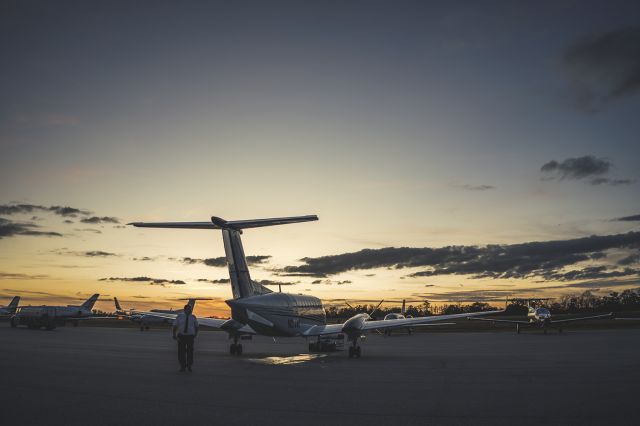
(185,350)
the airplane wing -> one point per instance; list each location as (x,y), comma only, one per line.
(605,316)
(500,320)
(629,319)
(320,330)
(202,321)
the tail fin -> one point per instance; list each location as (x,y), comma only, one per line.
(118,307)
(90,302)
(14,303)
(403,306)
(192,303)
(241,283)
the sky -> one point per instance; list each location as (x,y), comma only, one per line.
(454,151)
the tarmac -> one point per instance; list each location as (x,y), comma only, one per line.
(106,376)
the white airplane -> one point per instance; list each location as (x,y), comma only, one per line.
(257,310)
(50,316)
(397,316)
(145,321)
(541,318)
(10,309)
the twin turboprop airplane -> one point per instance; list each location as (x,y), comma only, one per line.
(541,318)
(50,316)
(145,321)
(10,309)
(257,310)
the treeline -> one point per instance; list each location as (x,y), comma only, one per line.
(627,300)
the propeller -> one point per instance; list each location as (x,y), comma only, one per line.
(372,312)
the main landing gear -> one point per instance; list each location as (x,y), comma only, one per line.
(235,348)
(354,349)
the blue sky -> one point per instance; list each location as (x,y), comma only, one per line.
(420,124)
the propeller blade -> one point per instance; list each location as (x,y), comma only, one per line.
(372,312)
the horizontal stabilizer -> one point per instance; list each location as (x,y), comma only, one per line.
(218,223)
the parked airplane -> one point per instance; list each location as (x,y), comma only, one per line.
(541,318)
(50,316)
(10,309)
(145,321)
(257,310)
(396,316)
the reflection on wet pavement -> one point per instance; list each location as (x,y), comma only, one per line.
(287,360)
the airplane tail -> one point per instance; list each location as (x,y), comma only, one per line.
(14,304)
(241,283)
(90,302)
(118,307)
(192,303)
(403,306)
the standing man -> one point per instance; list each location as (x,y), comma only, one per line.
(186,327)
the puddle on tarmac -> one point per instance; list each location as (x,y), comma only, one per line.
(286,360)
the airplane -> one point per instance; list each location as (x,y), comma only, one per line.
(396,316)
(541,318)
(145,321)
(50,316)
(10,309)
(256,310)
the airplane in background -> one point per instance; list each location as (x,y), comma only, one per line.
(144,320)
(50,316)
(398,316)
(256,310)
(10,309)
(541,318)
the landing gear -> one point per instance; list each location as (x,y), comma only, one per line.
(14,322)
(235,348)
(354,349)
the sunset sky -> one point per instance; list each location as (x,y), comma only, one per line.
(454,151)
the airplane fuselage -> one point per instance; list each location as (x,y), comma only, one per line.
(279,314)
(539,316)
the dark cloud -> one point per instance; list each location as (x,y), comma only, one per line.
(533,259)
(153,281)
(272,282)
(67,221)
(12,229)
(331,282)
(629,260)
(634,218)
(592,272)
(96,219)
(98,253)
(144,259)
(65,211)
(218,281)
(577,168)
(221,262)
(604,67)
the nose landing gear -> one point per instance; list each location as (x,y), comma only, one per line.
(354,349)
(235,348)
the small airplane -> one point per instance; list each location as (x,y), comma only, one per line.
(10,309)
(145,321)
(255,309)
(396,316)
(541,318)
(50,316)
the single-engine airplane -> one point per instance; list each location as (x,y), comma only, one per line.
(257,310)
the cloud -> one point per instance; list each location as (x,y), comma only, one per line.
(219,281)
(532,259)
(604,67)
(577,168)
(16,276)
(95,231)
(630,260)
(634,218)
(587,167)
(470,187)
(144,259)
(91,253)
(96,219)
(221,262)
(12,229)
(272,282)
(152,281)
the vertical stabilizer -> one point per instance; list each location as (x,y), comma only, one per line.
(88,305)
(241,283)
(14,303)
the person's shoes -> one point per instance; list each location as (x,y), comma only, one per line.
(189,368)
(182,369)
